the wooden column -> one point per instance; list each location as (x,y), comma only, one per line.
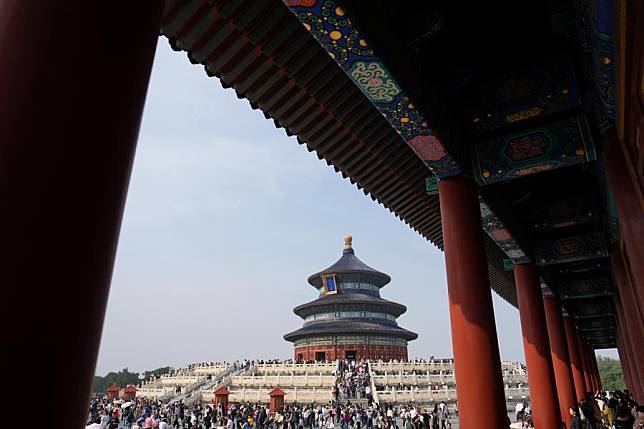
(543,392)
(73,80)
(593,364)
(591,368)
(479,383)
(630,206)
(575,360)
(632,316)
(560,356)
(624,359)
(581,346)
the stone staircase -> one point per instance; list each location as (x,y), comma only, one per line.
(193,393)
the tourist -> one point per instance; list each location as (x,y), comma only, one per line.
(624,419)
(149,422)
(575,422)
(639,420)
(518,411)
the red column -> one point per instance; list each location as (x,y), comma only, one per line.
(625,362)
(630,209)
(560,356)
(73,80)
(593,362)
(575,360)
(591,368)
(584,362)
(632,314)
(476,351)
(630,346)
(628,366)
(543,393)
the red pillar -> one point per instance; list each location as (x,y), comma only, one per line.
(630,208)
(476,350)
(543,393)
(632,314)
(591,368)
(73,80)
(575,360)
(624,351)
(584,362)
(630,347)
(626,365)
(560,356)
(593,362)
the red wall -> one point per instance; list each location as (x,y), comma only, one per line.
(363,351)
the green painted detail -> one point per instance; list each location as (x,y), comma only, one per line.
(508,264)
(431,185)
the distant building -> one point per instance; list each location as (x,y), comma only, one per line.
(350,320)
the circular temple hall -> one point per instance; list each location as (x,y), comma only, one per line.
(350,320)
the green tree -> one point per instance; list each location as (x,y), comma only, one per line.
(121,379)
(610,371)
(156,372)
(125,377)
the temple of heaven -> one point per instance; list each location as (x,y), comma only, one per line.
(350,320)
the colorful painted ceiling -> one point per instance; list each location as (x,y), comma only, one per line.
(396,97)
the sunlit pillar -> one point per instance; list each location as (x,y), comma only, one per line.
(575,359)
(543,392)
(479,381)
(560,355)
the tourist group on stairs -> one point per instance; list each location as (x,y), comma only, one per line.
(352,381)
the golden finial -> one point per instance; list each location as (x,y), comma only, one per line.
(347,241)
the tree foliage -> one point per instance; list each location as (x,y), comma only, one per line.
(125,377)
(155,373)
(610,371)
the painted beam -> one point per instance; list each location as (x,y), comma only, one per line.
(598,323)
(563,213)
(585,288)
(571,249)
(510,156)
(498,232)
(334,29)
(547,88)
(599,334)
(596,24)
(590,308)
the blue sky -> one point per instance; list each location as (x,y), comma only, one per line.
(226,218)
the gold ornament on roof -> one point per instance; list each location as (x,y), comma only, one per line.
(348,240)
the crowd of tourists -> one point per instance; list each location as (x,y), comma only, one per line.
(604,410)
(615,410)
(607,410)
(157,414)
(352,380)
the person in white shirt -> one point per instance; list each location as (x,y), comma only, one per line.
(518,411)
